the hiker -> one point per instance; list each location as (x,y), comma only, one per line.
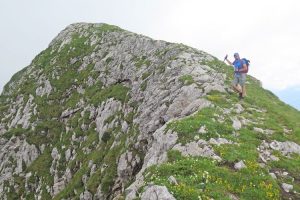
(240,70)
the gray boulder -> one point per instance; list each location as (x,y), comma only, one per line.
(156,192)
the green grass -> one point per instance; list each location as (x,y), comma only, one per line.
(143,86)
(275,116)
(48,110)
(141,61)
(77,48)
(117,91)
(76,183)
(188,127)
(108,28)
(292,165)
(244,149)
(100,154)
(46,131)
(93,182)
(186,79)
(233,153)
(18,131)
(73,100)
(145,75)
(203,177)
(41,166)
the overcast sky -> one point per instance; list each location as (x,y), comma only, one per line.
(266,32)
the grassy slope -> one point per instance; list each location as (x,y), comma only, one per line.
(203,178)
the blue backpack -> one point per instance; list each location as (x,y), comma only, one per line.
(247,63)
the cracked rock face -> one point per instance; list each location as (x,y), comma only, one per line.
(22,152)
(156,154)
(106,110)
(45,87)
(23,114)
(127,165)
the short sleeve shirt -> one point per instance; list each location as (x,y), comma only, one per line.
(238,64)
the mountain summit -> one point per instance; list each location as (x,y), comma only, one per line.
(104,113)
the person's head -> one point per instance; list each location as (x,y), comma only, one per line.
(236,56)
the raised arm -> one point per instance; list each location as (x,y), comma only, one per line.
(228,61)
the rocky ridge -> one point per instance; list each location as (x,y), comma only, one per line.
(104,113)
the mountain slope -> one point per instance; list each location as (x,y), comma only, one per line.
(104,113)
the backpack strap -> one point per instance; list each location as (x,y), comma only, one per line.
(243,61)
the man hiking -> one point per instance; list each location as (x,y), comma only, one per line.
(240,69)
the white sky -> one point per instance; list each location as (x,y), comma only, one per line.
(266,32)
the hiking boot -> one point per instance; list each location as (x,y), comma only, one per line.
(241,96)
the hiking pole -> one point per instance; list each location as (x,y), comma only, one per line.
(225,58)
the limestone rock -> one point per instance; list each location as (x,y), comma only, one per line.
(287,187)
(273,175)
(239,165)
(106,110)
(239,108)
(23,114)
(127,164)
(27,154)
(172,180)
(202,130)
(45,88)
(199,148)
(156,192)
(54,154)
(236,124)
(182,103)
(157,154)
(219,141)
(286,148)
(58,186)
(259,130)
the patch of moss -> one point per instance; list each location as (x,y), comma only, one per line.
(117,91)
(139,62)
(145,75)
(45,132)
(186,79)
(94,181)
(18,131)
(41,167)
(108,28)
(108,60)
(47,110)
(143,86)
(75,184)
